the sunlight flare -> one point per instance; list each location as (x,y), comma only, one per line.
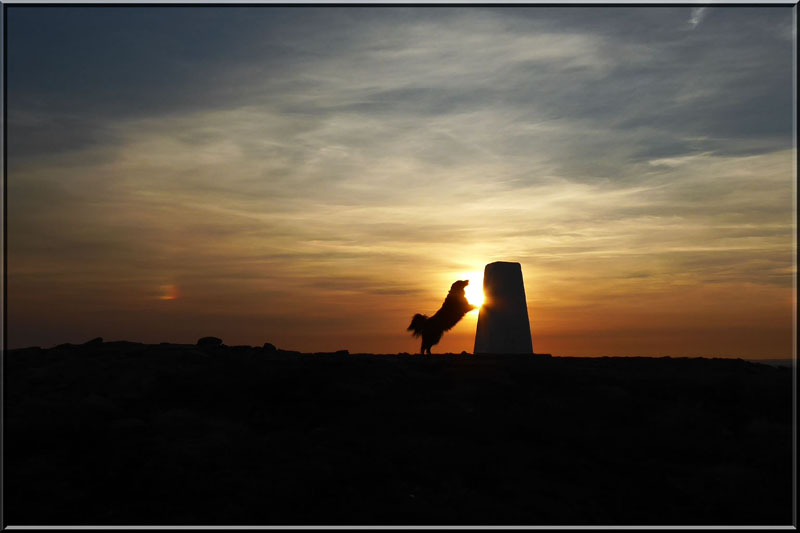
(168,292)
(474,291)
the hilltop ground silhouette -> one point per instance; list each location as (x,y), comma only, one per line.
(126,433)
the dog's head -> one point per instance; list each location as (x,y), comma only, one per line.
(458,286)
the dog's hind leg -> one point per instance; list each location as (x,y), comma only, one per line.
(426,346)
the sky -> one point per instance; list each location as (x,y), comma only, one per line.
(314,176)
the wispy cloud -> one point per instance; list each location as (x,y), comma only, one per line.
(697,15)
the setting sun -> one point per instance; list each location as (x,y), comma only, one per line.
(474,291)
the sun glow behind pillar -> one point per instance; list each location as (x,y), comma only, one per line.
(474,291)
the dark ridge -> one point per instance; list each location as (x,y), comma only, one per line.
(124,433)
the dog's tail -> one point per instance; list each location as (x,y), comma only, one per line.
(417,324)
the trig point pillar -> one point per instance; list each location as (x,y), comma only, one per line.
(503,325)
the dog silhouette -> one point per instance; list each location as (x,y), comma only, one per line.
(453,309)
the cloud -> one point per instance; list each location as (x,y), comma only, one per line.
(697,15)
(530,66)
